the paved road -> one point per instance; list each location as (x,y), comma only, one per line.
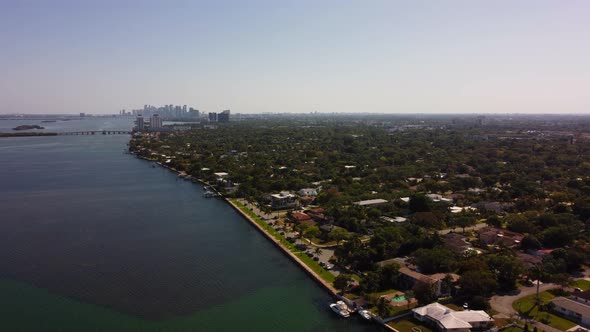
(503,304)
(460,229)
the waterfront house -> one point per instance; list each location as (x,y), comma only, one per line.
(283,200)
(445,319)
(300,217)
(408,278)
(219,176)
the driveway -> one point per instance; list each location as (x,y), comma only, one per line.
(503,303)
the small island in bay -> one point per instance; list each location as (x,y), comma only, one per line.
(27,127)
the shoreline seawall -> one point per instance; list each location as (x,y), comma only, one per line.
(286,251)
(324,284)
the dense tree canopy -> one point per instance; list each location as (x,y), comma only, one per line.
(521,175)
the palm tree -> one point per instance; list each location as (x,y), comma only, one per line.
(318,251)
(537,272)
(265,210)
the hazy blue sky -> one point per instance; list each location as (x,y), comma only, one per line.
(296,56)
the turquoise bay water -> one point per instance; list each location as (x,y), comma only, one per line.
(92,239)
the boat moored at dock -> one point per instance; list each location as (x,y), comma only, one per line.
(341,309)
(210,194)
(365,314)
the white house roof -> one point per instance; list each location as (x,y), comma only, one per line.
(473,316)
(221,174)
(308,192)
(434,310)
(283,194)
(371,202)
(450,319)
(457,209)
(434,197)
(450,322)
(395,219)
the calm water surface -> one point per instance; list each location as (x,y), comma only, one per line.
(94,239)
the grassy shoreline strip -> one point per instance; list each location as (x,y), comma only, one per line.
(325,278)
(321,276)
(317,271)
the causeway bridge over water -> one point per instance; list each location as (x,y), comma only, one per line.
(95,132)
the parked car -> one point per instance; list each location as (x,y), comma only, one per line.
(301,246)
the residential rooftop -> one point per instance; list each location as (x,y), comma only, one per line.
(371,202)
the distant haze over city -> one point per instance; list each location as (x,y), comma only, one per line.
(68,57)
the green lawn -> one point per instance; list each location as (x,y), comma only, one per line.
(315,266)
(389,291)
(327,276)
(406,325)
(355,277)
(527,306)
(352,296)
(512,329)
(582,284)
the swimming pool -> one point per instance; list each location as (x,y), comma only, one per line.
(399,298)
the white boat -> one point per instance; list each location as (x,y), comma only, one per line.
(340,308)
(365,314)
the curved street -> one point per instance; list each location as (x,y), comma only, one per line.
(502,304)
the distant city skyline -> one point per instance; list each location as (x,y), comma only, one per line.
(459,56)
